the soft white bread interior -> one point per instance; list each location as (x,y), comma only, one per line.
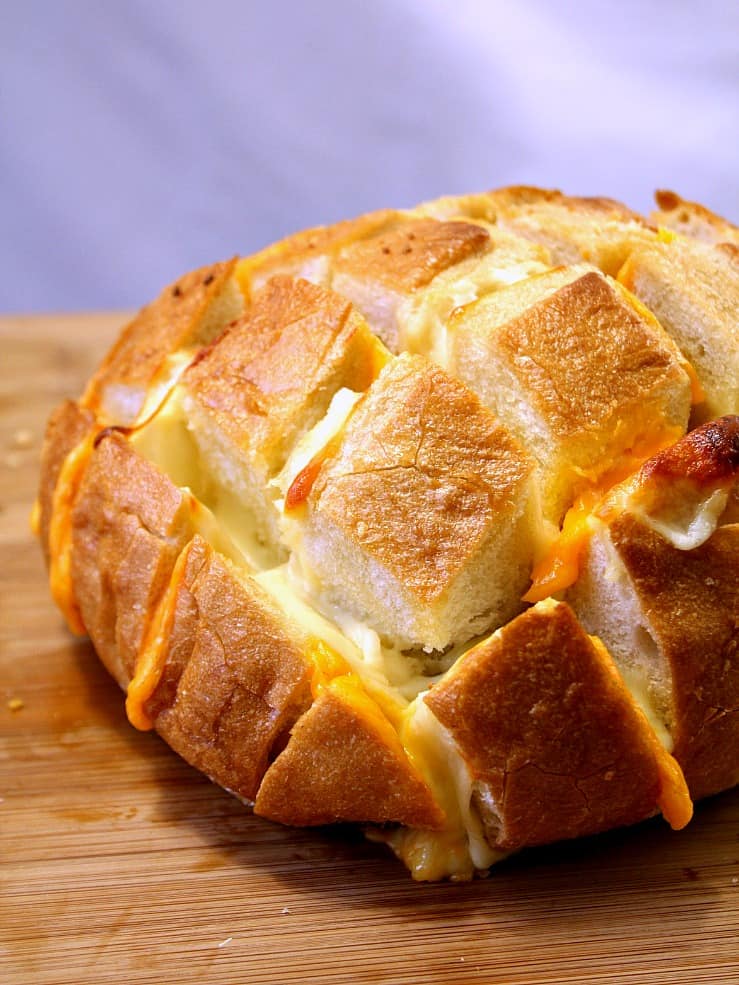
(578,372)
(691,219)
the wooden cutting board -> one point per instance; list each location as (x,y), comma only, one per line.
(121,864)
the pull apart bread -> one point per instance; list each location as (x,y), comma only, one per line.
(428,520)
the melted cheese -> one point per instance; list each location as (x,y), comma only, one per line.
(460,849)
(166,441)
(302,467)
(152,656)
(34,520)
(166,379)
(423,316)
(692,524)
(673,798)
(560,566)
(60,532)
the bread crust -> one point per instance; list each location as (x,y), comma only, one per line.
(343,765)
(236,677)
(68,425)
(271,375)
(410,255)
(422,489)
(129,524)
(178,318)
(691,599)
(552,738)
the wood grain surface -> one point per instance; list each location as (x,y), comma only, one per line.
(119,863)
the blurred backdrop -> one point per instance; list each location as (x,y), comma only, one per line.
(139,139)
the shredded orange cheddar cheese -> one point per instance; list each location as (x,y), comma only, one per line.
(60,532)
(560,566)
(154,648)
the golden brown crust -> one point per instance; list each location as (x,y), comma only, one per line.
(342,765)
(129,525)
(410,255)
(175,320)
(66,428)
(691,600)
(707,455)
(422,475)
(271,375)
(549,733)
(236,677)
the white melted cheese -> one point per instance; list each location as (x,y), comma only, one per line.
(166,379)
(460,849)
(638,687)
(690,526)
(423,316)
(166,441)
(315,440)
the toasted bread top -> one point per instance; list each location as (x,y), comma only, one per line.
(298,254)
(178,318)
(546,725)
(422,475)
(580,351)
(273,372)
(411,254)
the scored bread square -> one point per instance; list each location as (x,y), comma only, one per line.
(691,219)
(670,618)
(554,744)
(189,313)
(598,230)
(421,520)
(388,276)
(308,253)
(129,524)
(235,676)
(575,370)
(693,289)
(666,545)
(268,380)
(344,762)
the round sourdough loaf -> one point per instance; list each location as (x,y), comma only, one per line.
(427,520)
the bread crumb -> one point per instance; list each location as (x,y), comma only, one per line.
(15,704)
(286,909)
(227,941)
(23,438)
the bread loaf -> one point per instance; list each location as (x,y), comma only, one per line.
(426,521)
